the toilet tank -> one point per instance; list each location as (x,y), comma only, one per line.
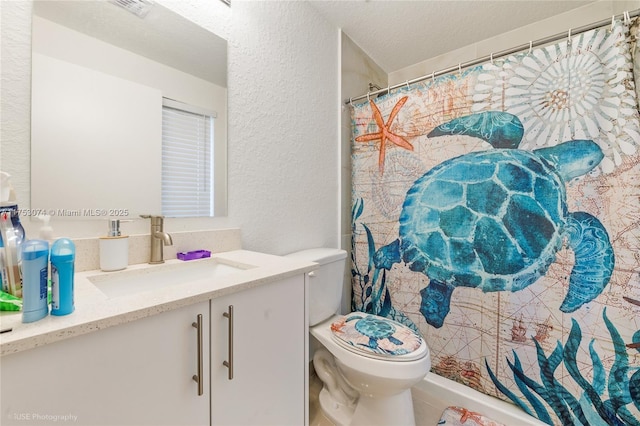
(325,283)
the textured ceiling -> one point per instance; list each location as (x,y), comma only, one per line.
(394,33)
(397,34)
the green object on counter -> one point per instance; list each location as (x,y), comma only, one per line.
(9,302)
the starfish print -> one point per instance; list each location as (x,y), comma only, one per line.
(466,415)
(384,132)
(338,326)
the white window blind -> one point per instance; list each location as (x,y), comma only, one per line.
(187,160)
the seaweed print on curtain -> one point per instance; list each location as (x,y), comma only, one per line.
(496,210)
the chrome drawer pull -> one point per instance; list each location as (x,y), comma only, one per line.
(229,363)
(198,377)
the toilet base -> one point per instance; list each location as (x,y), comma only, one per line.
(339,414)
(384,411)
(379,411)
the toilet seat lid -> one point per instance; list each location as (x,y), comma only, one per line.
(377,337)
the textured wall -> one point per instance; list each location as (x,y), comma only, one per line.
(15,94)
(284,150)
(283,126)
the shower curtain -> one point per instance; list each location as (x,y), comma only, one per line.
(496,210)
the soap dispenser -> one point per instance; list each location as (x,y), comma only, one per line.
(114,248)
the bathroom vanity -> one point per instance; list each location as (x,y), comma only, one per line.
(226,350)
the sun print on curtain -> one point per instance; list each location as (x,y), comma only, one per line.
(496,211)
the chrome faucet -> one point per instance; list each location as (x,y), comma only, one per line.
(159,238)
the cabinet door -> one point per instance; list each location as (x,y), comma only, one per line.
(269,340)
(139,373)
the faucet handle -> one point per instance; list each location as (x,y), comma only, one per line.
(155,219)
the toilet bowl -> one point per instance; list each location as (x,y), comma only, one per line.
(367,363)
(382,385)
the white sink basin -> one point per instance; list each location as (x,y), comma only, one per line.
(153,278)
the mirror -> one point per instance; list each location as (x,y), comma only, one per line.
(99,77)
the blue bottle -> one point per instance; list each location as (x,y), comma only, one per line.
(63,254)
(35,262)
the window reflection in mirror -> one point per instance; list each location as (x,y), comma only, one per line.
(99,78)
(187,160)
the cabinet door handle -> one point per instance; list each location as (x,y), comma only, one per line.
(198,377)
(229,363)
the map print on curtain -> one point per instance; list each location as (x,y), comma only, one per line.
(497,210)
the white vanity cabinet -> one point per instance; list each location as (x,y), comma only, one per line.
(142,372)
(138,373)
(260,333)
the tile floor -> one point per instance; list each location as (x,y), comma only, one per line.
(424,413)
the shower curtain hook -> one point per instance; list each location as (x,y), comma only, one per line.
(351,101)
(459,68)
(613,21)
(530,47)
(369,99)
(407,83)
(569,38)
(627,17)
(491,57)
(433,77)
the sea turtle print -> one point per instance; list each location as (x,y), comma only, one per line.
(375,334)
(495,219)
(375,329)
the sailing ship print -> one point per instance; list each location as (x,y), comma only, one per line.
(519,331)
(543,331)
(522,333)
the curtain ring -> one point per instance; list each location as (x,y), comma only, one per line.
(530,47)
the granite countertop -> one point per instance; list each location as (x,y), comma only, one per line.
(94,310)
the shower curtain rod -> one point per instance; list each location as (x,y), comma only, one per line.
(502,53)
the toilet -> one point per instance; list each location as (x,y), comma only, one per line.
(367,363)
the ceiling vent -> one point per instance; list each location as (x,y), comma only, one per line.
(140,8)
